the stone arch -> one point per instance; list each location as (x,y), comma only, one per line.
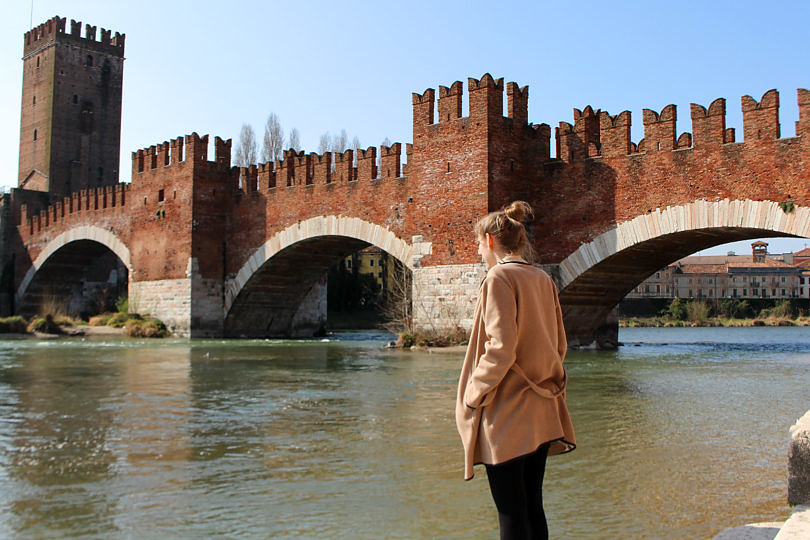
(765,216)
(321,226)
(84,232)
(595,278)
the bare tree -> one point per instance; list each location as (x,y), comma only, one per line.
(325,143)
(273,139)
(355,147)
(294,141)
(245,153)
(397,309)
(340,142)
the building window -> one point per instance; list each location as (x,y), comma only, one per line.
(35,134)
(783,292)
(658,274)
(371,262)
(783,279)
(773,292)
(160,195)
(37,61)
(75,99)
(658,288)
(89,60)
(755,291)
(735,293)
(35,100)
(99,173)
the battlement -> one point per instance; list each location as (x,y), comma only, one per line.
(54,29)
(485,102)
(107,198)
(597,133)
(184,149)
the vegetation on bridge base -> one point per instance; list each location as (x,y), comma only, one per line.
(725,312)
(432,338)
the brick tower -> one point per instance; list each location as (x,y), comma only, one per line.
(70,128)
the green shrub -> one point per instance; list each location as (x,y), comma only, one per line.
(676,310)
(13,325)
(698,311)
(122,304)
(149,328)
(784,309)
(118,320)
(45,325)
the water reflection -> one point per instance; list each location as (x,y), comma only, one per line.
(348,440)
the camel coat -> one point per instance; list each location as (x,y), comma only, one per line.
(511,393)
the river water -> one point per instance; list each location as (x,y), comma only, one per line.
(682,432)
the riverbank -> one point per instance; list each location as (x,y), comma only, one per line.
(664,322)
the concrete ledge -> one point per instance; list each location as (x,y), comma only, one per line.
(753,531)
(797,527)
(799,462)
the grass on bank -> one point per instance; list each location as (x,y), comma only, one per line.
(134,325)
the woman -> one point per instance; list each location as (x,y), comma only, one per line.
(510,409)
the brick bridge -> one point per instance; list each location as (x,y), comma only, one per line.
(217,250)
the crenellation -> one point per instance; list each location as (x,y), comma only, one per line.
(267,176)
(162,155)
(577,142)
(709,125)
(761,119)
(177,150)
(105,36)
(196,148)
(222,153)
(390,160)
(75,28)
(659,129)
(250,178)
(423,105)
(344,168)
(450,102)
(486,97)
(367,163)
(614,134)
(321,168)
(517,103)
(90,32)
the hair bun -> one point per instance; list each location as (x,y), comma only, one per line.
(520,211)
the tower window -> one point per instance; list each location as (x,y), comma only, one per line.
(35,134)
(99,173)
(35,100)
(37,61)
(75,99)
(89,61)
(160,195)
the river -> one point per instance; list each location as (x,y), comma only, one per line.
(682,432)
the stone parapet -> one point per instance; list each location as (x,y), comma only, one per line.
(444,296)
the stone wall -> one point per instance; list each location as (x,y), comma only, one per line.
(166,299)
(444,296)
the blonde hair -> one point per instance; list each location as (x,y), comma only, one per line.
(507,227)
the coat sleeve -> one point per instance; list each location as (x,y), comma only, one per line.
(499,312)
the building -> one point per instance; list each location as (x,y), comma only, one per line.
(70,127)
(759,275)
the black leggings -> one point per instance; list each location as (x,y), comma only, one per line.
(517,488)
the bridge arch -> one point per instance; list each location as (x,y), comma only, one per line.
(600,273)
(84,233)
(305,249)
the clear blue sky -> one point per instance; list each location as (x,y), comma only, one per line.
(325,66)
